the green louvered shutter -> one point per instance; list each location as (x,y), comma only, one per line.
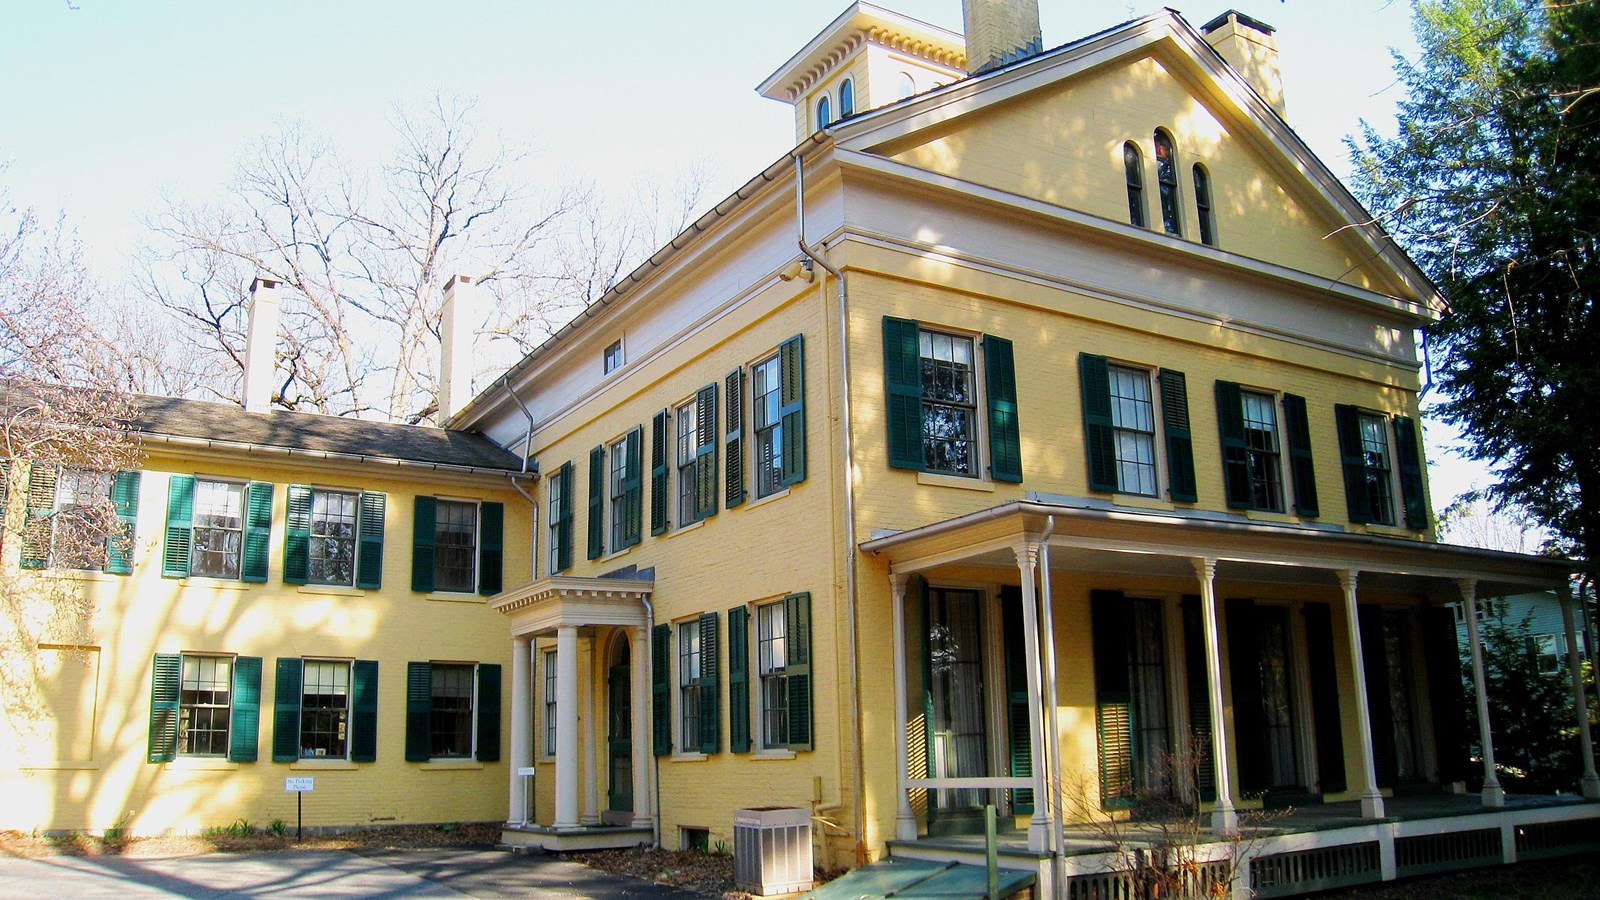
(286,710)
(902,384)
(792,408)
(1324,680)
(488,704)
(633,488)
(661,689)
(705,452)
(164,692)
(733,440)
(1235,450)
(491,547)
(1000,390)
(425,524)
(1380,702)
(1180,441)
(1249,715)
(658,473)
(364,711)
(39,528)
(1302,471)
(419,711)
(1099,436)
(564,517)
(1199,694)
(710,686)
(797,669)
(257,531)
(297,535)
(738,680)
(180,527)
(1019,738)
(125,503)
(369,556)
(597,502)
(1111,626)
(1358,503)
(1408,458)
(242,746)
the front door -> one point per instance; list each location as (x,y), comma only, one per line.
(620,731)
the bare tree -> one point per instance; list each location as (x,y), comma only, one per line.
(1471,520)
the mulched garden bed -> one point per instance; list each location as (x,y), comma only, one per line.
(241,837)
(703,873)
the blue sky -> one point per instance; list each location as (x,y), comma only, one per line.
(114,103)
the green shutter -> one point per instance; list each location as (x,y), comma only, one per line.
(661,689)
(1235,451)
(491,547)
(1302,472)
(419,711)
(658,473)
(1358,504)
(286,710)
(1018,735)
(488,704)
(797,669)
(257,531)
(39,526)
(738,680)
(1111,626)
(242,747)
(164,692)
(1099,436)
(297,535)
(125,503)
(1180,441)
(1199,694)
(705,452)
(1447,700)
(425,524)
(1324,678)
(710,686)
(733,440)
(1000,390)
(1249,713)
(902,384)
(633,489)
(369,556)
(1408,458)
(180,527)
(364,711)
(1380,702)
(564,518)
(597,502)
(792,408)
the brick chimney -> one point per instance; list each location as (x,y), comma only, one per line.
(261,344)
(999,32)
(455,339)
(1252,51)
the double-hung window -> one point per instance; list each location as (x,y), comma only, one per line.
(209,704)
(1121,434)
(205,707)
(689,683)
(78,519)
(333,537)
(452,711)
(1373,467)
(79,540)
(617,493)
(450,715)
(550,703)
(949,403)
(1264,452)
(1377,477)
(771,662)
(455,546)
(1133,421)
(560,544)
(765,388)
(218,528)
(325,709)
(936,423)
(688,419)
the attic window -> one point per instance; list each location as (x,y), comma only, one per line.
(824,112)
(847,99)
(613,357)
(908,85)
(1167,181)
(1133,169)
(1202,205)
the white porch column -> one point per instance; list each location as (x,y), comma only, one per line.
(588,712)
(1580,695)
(1493,793)
(905,821)
(1224,818)
(639,682)
(521,727)
(1039,825)
(1371,797)
(566,727)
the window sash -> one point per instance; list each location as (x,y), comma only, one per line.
(205,705)
(765,394)
(450,712)
(550,703)
(689,682)
(217,546)
(77,541)
(325,710)
(1375,454)
(613,357)
(949,403)
(455,545)
(771,659)
(619,476)
(332,546)
(1264,449)
(688,423)
(1133,424)
(555,523)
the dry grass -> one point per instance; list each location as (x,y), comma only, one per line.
(240,839)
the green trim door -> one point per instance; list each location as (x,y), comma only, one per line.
(619,735)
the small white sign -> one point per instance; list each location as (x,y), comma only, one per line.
(526,771)
(297,785)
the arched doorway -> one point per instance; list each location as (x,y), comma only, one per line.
(619,731)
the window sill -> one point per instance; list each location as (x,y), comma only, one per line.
(955,481)
(450,765)
(773,754)
(332,590)
(202,764)
(692,526)
(218,584)
(456,597)
(778,495)
(687,757)
(311,764)
(613,555)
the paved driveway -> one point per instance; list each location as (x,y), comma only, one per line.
(457,872)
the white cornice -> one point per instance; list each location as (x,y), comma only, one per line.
(859,24)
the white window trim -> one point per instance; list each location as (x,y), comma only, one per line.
(477,538)
(1158,437)
(547,684)
(980,417)
(244,515)
(355,556)
(349,708)
(233,662)
(472,718)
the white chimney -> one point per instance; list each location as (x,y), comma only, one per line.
(455,339)
(1251,48)
(999,32)
(261,344)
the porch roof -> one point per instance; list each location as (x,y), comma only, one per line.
(542,606)
(1097,536)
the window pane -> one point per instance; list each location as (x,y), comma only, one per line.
(689,684)
(204,705)
(218,529)
(1262,448)
(325,709)
(550,702)
(764,396)
(450,722)
(1375,449)
(619,475)
(949,406)
(455,545)
(688,419)
(1133,422)
(333,537)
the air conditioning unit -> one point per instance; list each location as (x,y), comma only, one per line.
(772,850)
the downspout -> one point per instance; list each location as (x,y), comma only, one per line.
(527,448)
(849,499)
(1052,772)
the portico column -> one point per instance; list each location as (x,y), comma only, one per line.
(566,727)
(905,821)
(639,683)
(1493,793)
(1039,825)
(1224,818)
(588,714)
(1371,797)
(1591,781)
(521,727)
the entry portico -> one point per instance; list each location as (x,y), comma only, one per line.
(569,610)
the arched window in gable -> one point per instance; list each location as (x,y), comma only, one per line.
(847,99)
(1133,169)
(1202,205)
(907,85)
(824,112)
(1167,182)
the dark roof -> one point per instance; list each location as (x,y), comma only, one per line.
(225,422)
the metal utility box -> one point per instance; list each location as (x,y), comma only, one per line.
(772,849)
